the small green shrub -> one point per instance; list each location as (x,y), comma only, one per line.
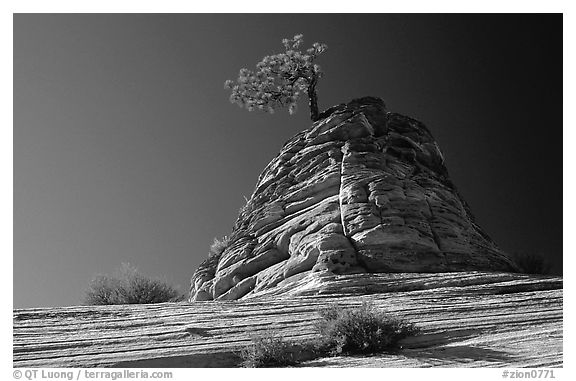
(218,246)
(128,286)
(532,263)
(361,330)
(268,350)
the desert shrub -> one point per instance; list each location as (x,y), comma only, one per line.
(218,246)
(533,263)
(361,330)
(342,331)
(128,286)
(268,350)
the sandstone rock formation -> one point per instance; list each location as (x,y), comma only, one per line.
(362,191)
(468,319)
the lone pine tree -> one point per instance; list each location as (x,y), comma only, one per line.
(280,79)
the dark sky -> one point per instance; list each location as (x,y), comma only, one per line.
(126,148)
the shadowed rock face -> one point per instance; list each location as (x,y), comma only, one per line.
(362,191)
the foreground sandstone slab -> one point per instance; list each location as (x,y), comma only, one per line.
(468,319)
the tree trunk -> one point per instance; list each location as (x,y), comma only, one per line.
(313,99)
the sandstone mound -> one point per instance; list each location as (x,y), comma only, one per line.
(362,191)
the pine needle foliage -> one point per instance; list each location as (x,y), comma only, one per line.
(280,79)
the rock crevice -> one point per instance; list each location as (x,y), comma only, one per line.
(363,190)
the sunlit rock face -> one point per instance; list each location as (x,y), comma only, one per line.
(363,190)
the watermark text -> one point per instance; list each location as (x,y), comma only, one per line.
(89,374)
(528,374)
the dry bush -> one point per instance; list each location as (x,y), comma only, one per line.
(128,286)
(532,263)
(268,350)
(342,331)
(218,246)
(361,330)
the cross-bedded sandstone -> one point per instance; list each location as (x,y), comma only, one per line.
(363,190)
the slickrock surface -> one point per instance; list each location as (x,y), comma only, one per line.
(362,191)
(468,319)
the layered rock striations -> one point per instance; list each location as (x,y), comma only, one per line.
(467,319)
(363,190)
